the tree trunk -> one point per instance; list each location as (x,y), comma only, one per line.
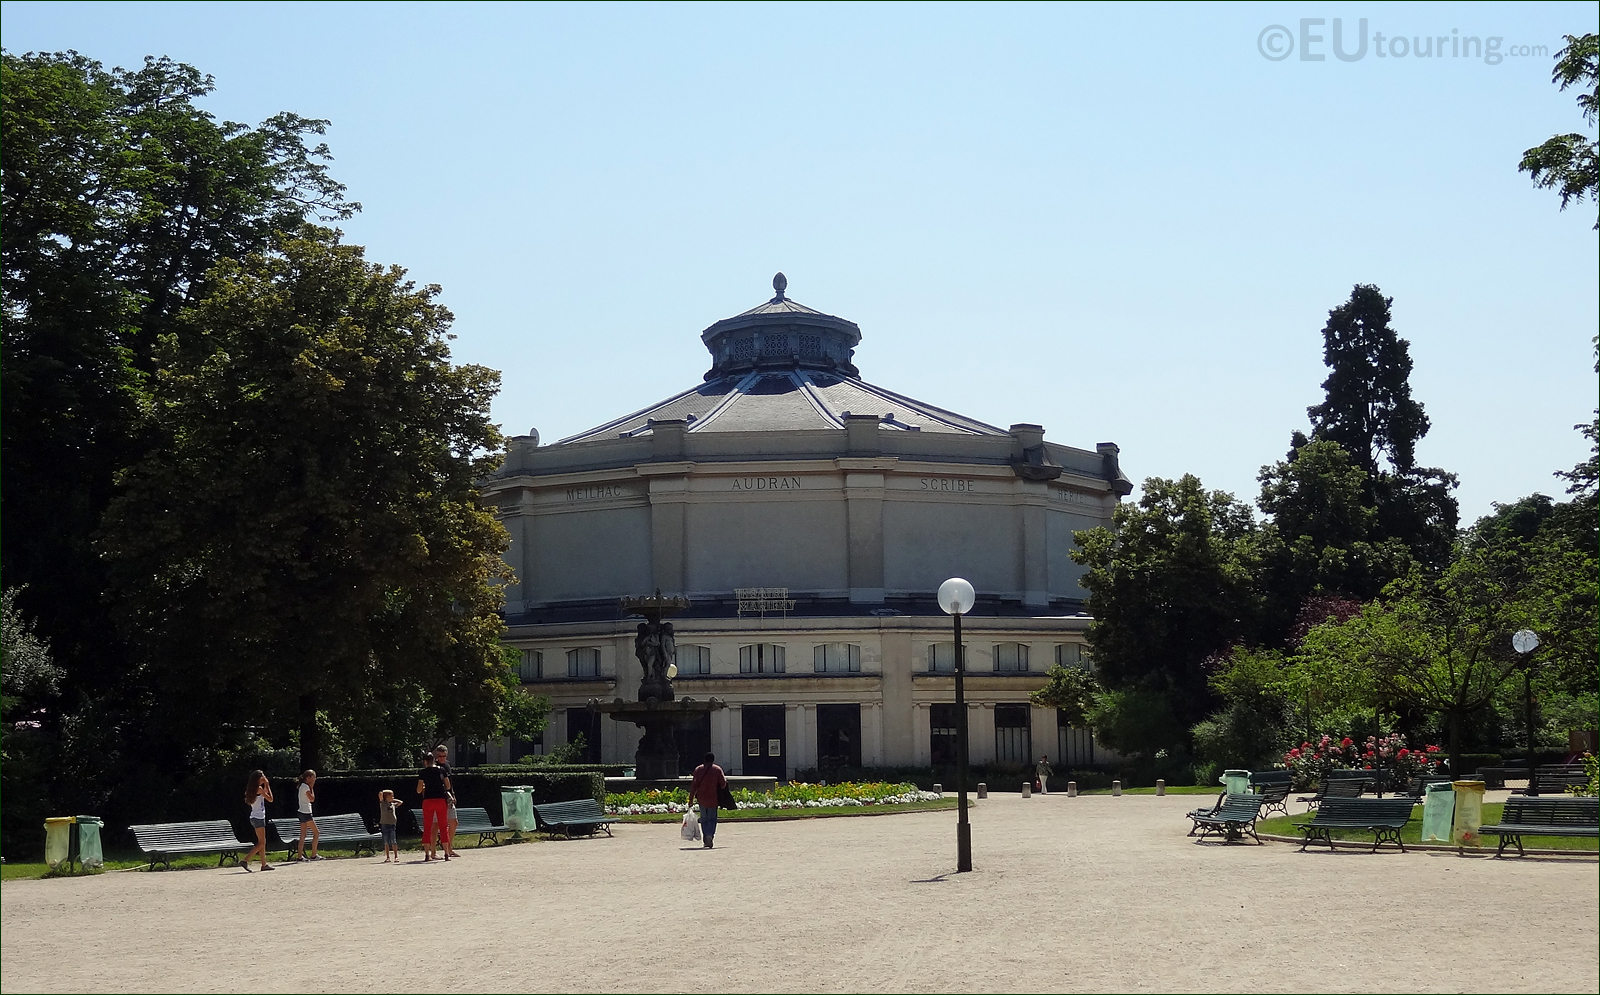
(1455,746)
(310,734)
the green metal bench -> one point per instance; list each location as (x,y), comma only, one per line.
(332,830)
(1383,817)
(1550,815)
(583,816)
(1233,819)
(471,820)
(163,841)
(1339,784)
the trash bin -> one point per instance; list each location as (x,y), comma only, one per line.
(1235,782)
(1438,811)
(516,805)
(1468,813)
(58,840)
(89,853)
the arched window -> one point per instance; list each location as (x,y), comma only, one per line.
(761,658)
(1011,657)
(694,660)
(837,658)
(583,662)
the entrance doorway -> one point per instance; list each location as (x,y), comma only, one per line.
(838,736)
(763,740)
(694,742)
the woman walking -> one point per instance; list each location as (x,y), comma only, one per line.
(257,792)
(308,795)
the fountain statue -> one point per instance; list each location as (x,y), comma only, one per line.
(658,711)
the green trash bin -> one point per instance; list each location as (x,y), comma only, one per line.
(58,841)
(89,852)
(1235,782)
(1438,811)
(516,806)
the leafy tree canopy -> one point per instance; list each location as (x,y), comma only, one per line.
(1568,164)
(307,523)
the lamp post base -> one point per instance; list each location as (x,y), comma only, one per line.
(963,847)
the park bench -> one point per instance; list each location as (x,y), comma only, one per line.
(163,841)
(1274,797)
(1339,784)
(1554,779)
(471,820)
(583,816)
(1550,815)
(1383,817)
(332,830)
(1233,818)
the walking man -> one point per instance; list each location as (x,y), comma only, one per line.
(1044,772)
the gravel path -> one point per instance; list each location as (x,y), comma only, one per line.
(1068,894)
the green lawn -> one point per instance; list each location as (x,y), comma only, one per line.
(1412,833)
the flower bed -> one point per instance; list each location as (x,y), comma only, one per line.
(1310,762)
(785,796)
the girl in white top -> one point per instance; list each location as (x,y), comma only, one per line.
(308,794)
(257,792)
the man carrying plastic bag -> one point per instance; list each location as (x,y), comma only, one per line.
(691,824)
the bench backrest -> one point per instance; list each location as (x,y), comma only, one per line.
(1553,776)
(1275,792)
(578,808)
(473,820)
(1240,808)
(218,832)
(1561,811)
(1261,778)
(1345,774)
(1345,787)
(1374,811)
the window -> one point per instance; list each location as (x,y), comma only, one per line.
(583,662)
(1012,743)
(694,660)
(761,658)
(1011,657)
(744,348)
(1073,656)
(837,658)
(531,667)
(942,658)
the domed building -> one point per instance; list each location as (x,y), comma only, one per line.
(808,516)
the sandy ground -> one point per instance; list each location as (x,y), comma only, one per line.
(1068,894)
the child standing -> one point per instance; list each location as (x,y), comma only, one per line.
(308,796)
(388,824)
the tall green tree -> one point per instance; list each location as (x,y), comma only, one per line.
(119,194)
(1569,163)
(307,525)
(1170,584)
(1368,409)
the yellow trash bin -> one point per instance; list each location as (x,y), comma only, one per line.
(58,840)
(1468,814)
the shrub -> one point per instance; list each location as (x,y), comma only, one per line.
(1388,757)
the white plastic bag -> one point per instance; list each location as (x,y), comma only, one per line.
(691,825)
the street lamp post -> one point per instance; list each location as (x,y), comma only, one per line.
(1525,642)
(956,598)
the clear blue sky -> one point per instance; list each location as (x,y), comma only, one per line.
(1123,223)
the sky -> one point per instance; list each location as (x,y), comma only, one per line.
(1124,223)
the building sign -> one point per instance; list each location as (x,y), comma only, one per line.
(760,600)
(947,485)
(765,484)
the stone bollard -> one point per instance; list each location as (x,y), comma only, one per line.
(983,789)
(1161,787)
(1072,789)
(938,788)
(1116,789)
(1027,789)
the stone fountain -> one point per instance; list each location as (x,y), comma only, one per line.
(658,711)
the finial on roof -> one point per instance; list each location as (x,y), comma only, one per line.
(780,283)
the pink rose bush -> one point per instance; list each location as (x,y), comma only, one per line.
(1389,758)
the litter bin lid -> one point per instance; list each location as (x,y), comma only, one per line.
(91,819)
(1438,786)
(59,820)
